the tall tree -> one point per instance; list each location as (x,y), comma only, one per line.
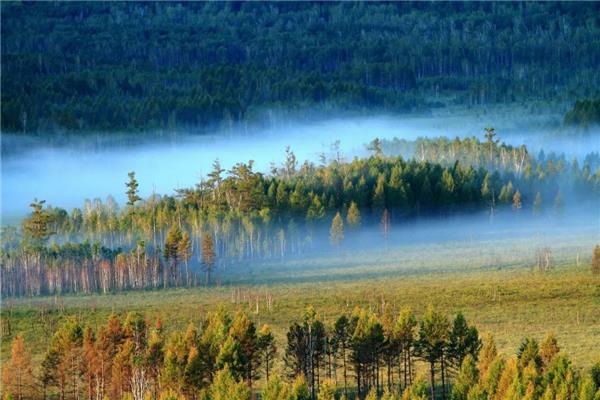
(267,349)
(184,250)
(171,253)
(36,228)
(336,232)
(208,255)
(342,336)
(17,372)
(353,216)
(132,189)
(433,337)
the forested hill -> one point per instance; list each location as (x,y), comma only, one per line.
(116,66)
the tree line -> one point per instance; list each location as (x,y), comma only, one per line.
(361,356)
(243,216)
(66,66)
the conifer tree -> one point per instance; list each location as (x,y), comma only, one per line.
(171,252)
(353,218)
(433,337)
(342,336)
(336,232)
(226,387)
(267,349)
(549,349)
(516,201)
(36,228)
(184,250)
(132,189)
(17,372)
(208,256)
(467,378)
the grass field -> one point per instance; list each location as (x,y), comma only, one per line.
(493,283)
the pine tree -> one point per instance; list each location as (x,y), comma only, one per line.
(184,250)
(487,355)
(379,193)
(336,232)
(516,201)
(132,189)
(267,349)
(208,255)
(171,252)
(327,391)
(433,337)
(36,228)
(549,349)
(342,337)
(405,332)
(17,373)
(353,216)
(376,147)
(468,376)
(226,387)
(276,389)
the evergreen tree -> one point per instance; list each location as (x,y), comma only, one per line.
(336,232)
(353,217)
(375,147)
(267,349)
(379,193)
(184,251)
(208,256)
(433,337)
(516,201)
(132,190)
(467,378)
(36,228)
(226,387)
(171,252)
(17,372)
(549,350)
(341,337)
(463,341)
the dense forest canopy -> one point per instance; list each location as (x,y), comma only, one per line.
(117,66)
(238,216)
(358,355)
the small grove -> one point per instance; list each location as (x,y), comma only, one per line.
(362,356)
(246,216)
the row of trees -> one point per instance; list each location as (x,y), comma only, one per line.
(243,216)
(360,356)
(65,65)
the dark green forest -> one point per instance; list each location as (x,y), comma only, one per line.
(133,66)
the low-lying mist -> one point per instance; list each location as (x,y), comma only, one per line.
(66,173)
(505,240)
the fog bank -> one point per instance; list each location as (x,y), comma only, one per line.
(64,174)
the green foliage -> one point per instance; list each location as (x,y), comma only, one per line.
(468,377)
(226,387)
(336,233)
(585,113)
(227,62)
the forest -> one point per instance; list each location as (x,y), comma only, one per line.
(235,218)
(109,66)
(361,355)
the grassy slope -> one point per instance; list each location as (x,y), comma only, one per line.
(492,284)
